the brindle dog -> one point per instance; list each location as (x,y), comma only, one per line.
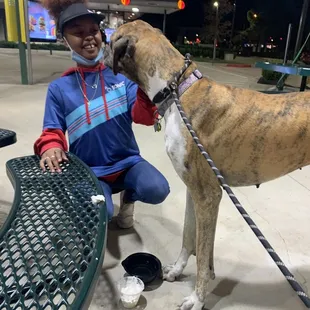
(252,138)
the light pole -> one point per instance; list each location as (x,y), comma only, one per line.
(216,5)
(301,26)
(255,16)
(233,24)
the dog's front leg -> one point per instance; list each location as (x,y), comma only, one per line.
(171,272)
(206,209)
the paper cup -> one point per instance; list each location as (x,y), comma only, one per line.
(130,289)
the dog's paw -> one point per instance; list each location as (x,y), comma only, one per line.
(171,272)
(191,303)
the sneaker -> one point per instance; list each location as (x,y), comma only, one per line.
(124,218)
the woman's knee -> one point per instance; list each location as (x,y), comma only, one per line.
(108,199)
(156,191)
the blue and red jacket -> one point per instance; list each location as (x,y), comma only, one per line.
(99,130)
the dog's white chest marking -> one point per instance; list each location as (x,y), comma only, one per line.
(175,142)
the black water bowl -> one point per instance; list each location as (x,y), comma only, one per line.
(145,266)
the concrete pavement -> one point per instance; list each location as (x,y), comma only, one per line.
(246,276)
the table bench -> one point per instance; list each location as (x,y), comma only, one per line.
(304,71)
(53,241)
(7,137)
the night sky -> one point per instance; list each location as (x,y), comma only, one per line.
(278,12)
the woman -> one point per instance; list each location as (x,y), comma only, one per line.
(96,109)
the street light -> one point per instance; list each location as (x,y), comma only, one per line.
(216,5)
(255,15)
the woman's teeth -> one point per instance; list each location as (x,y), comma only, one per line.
(89,46)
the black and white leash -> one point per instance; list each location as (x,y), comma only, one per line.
(285,271)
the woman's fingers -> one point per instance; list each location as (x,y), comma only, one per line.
(53,158)
(42,164)
(55,163)
(64,156)
(58,154)
(48,161)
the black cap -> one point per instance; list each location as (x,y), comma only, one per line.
(76,10)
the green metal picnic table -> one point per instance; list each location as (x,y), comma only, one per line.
(53,242)
(303,71)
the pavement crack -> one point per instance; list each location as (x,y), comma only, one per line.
(278,232)
(308,189)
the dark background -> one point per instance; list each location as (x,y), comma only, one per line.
(277,14)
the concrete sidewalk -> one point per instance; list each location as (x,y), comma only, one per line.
(46,67)
(246,276)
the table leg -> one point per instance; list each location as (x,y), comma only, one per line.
(303,83)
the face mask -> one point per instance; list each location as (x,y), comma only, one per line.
(84,61)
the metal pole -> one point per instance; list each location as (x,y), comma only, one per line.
(280,84)
(233,25)
(216,31)
(288,40)
(164,22)
(21,47)
(29,65)
(301,26)
(284,75)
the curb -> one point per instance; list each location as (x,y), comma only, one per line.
(239,65)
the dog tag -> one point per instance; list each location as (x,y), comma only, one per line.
(157,126)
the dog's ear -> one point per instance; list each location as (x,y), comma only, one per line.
(107,56)
(124,47)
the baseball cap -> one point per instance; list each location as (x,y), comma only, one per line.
(76,10)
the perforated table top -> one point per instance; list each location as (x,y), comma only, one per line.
(7,137)
(52,244)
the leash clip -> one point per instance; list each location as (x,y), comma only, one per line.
(187,56)
(157,124)
(173,85)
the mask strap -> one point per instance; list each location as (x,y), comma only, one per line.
(64,38)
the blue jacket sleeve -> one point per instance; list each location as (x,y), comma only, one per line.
(54,116)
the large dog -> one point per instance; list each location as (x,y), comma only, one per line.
(252,138)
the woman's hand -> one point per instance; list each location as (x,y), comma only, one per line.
(52,158)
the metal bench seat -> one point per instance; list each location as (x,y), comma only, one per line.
(7,137)
(53,241)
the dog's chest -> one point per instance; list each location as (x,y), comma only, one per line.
(174,140)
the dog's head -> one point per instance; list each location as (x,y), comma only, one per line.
(141,52)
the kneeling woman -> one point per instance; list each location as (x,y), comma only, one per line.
(96,109)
